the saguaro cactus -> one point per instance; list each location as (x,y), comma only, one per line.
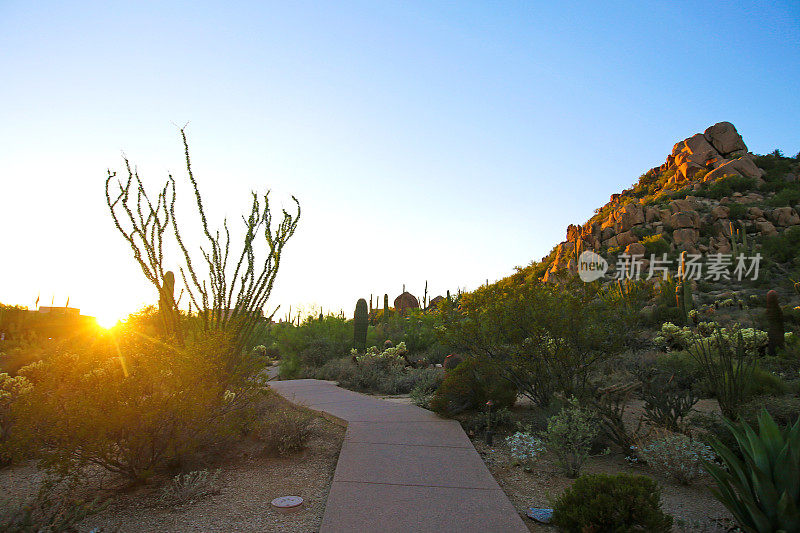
(385,307)
(360,325)
(775,323)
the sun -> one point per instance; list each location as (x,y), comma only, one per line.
(107,320)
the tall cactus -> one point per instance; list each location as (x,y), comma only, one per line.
(775,323)
(360,325)
(386,308)
(683,290)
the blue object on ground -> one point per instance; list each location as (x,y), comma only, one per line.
(540,515)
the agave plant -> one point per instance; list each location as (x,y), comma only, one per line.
(763,490)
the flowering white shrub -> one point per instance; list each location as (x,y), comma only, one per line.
(673,337)
(524,447)
(677,456)
(389,355)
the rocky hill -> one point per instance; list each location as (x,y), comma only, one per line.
(710,196)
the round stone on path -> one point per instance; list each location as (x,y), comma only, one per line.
(287,504)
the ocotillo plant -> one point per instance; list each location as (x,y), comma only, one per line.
(739,241)
(386,308)
(360,325)
(775,323)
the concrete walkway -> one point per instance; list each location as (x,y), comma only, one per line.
(402,468)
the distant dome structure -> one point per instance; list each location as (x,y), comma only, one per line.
(405,301)
(435,302)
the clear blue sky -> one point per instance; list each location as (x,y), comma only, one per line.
(439,141)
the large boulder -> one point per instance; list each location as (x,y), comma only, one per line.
(628,216)
(635,249)
(689,170)
(689,203)
(724,138)
(685,219)
(785,216)
(742,166)
(685,236)
(626,238)
(720,211)
(766,228)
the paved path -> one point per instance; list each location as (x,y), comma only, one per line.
(403,469)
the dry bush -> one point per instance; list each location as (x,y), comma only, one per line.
(285,432)
(129,404)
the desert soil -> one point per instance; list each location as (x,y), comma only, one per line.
(248,482)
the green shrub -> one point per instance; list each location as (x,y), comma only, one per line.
(764,383)
(423,390)
(784,410)
(726,186)
(789,196)
(285,432)
(676,456)
(131,405)
(569,437)
(655,244)
(190,487)
(783,247)
(470,385)
(737,211)
(668,398)
(760,486)
(475,422)
(620,503)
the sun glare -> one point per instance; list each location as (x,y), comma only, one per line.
(107,321)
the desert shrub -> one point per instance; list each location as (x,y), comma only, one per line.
(569,437)
(783,247)
(610,405)
(525,447)
(764,383)
(285,432)
(470,385)
(131,405)
(682,365)
(190,487)
(620,503)
(543,338)
(727,367)
(726,186)
(476,422)
(290,367)
(655,244)
(676,456)
(737,211)
(784,410)
(788,196)
(52,510)
(335,370)
(10,390)
(423,390)
(668,398)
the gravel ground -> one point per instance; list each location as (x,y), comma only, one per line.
(248,482)
(692,504)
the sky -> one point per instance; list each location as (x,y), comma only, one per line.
(445,142)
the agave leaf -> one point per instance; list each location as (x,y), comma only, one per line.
(788,515)
(785,472)
(734,504)
(766,494)
(770,434)
(756,518)
(758,451)
(735,467)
